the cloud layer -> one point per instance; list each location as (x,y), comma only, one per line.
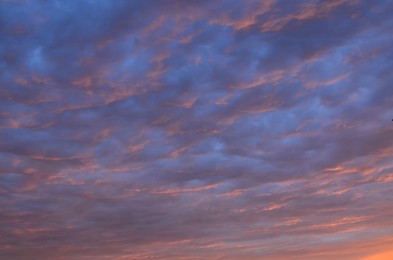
(196,129)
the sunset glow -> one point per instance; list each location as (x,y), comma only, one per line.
(175,129)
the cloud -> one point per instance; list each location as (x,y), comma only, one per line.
(380,256)
(195,130)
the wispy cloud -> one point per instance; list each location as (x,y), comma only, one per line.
(196,129)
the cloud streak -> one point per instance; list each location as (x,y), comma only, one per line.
(196,130)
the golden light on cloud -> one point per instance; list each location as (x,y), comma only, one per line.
(387,255)
(177,130)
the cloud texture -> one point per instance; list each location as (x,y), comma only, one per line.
(196,129)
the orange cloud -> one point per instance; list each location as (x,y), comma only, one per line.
(388,255)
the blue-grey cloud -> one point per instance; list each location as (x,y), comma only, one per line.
(195,130)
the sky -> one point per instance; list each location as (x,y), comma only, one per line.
(173,129)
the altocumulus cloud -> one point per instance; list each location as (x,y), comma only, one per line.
(196,129)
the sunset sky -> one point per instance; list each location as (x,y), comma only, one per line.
(199,129)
